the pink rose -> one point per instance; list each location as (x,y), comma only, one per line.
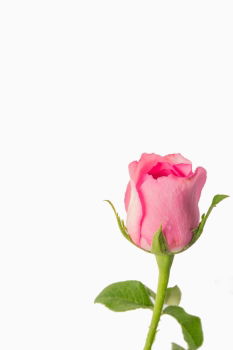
(163,191)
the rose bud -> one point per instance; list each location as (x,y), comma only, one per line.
(163,192)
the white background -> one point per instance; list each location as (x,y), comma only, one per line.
(86,87)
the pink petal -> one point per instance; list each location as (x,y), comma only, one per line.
(127,196)
(173,203)
(183,169)
(180,165)
(132,169)
(146,162)
(165,169)
(176,159)
(134,215)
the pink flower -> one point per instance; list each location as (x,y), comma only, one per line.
(163,191)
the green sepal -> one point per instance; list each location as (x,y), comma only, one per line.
(176,347)
(190,324)
(198,231)
(173,296)
(159,246)
(125,296)
(218,198)
(120,222)
(123,228)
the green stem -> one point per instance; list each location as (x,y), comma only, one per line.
(164,264)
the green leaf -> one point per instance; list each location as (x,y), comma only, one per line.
(124,296)
(177,347)
(173,296)
(191,326)
(159,243)
(120,222)
(198,231)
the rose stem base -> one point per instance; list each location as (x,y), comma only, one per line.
(164,265)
